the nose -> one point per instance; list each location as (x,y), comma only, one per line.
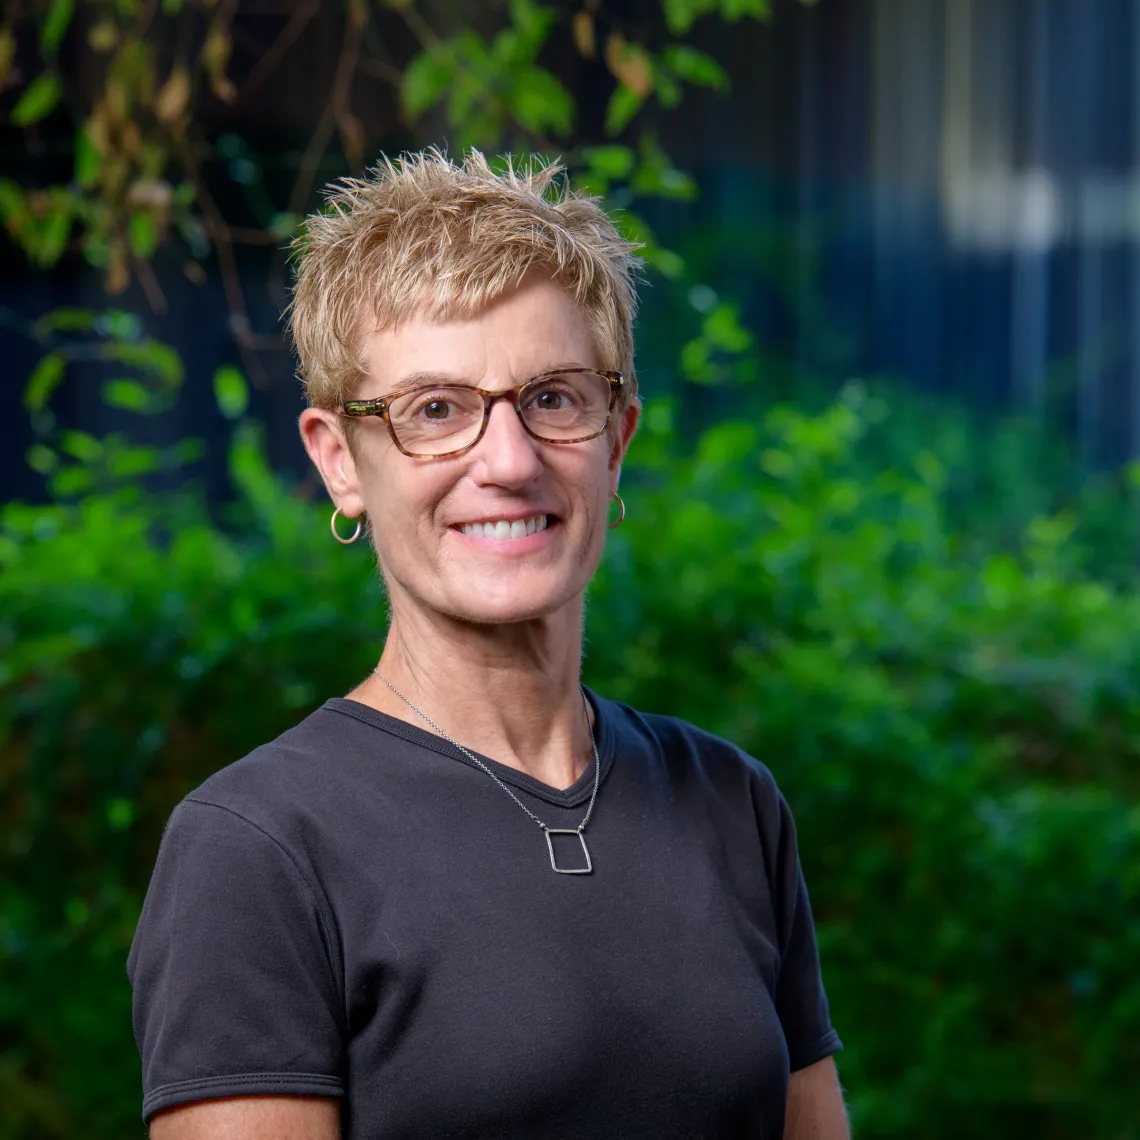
(506,455)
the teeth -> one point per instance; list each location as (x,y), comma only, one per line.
(503,531)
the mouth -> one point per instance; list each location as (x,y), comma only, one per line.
(507,530)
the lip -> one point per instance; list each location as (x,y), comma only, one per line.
(506,516)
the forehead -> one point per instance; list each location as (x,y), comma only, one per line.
(523,332)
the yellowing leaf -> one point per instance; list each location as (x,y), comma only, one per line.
(7,51)
(103,36)
(629,63)
(215,59)
(118,276)
(585,38)
(173,96)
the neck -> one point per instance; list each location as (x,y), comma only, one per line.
(510,692)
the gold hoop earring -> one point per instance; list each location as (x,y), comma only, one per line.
(338,536)
(621,506)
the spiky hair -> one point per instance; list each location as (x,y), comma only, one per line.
(423,234)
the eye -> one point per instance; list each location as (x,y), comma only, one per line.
(550,399)
(432,406)
(436,410)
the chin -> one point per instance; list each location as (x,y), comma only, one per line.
(503,603)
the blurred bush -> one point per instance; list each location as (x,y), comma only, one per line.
(954,719)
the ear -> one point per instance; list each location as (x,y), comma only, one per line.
(627,425)
(322,433)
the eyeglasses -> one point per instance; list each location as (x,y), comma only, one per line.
(438,421)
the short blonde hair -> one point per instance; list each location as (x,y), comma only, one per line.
(425,234)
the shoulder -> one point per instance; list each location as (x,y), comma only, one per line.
(288,789)
(691,755)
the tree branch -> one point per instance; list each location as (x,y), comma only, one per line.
(285,40)
(334,108)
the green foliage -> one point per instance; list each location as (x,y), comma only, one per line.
(136,182)
(680,15)
(954,722)
(37,100)
(231,392)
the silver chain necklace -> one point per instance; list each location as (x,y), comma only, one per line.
(547,831)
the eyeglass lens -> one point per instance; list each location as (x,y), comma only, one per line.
(564,406)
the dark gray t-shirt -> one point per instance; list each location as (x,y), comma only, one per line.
(356,910)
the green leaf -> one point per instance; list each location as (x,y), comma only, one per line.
(38,100)
(42,459)
(680,14)
(231,392)
(53,231)
(43,381)
(539,101)
(284,224)
(426,80)
(532,23)
(88,160)
(657,176)
(723,329)
(80,445)
(150,356)
(119,324)
(666,261)
(735,9)
(695,364)
(465,94)
(611,160)
(12,200)
(667,88)
(72,480)
(142,233)
(623,105)
(121,814)
(694,66)
(129,395)
(56,24)
(127,462)
(66,320)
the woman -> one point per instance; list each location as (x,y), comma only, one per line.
(471,899)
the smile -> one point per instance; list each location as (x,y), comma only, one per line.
(503,531)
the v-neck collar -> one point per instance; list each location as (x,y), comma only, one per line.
(576,794)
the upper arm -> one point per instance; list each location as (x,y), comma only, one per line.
(236,991)
(815,1104)
(250,1118)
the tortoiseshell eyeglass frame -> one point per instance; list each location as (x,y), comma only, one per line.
(358,409)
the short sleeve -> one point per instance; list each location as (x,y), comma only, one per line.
(801,1000)
(235,993)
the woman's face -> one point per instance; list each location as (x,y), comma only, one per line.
(418,507)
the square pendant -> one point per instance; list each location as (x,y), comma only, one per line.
(587,869)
